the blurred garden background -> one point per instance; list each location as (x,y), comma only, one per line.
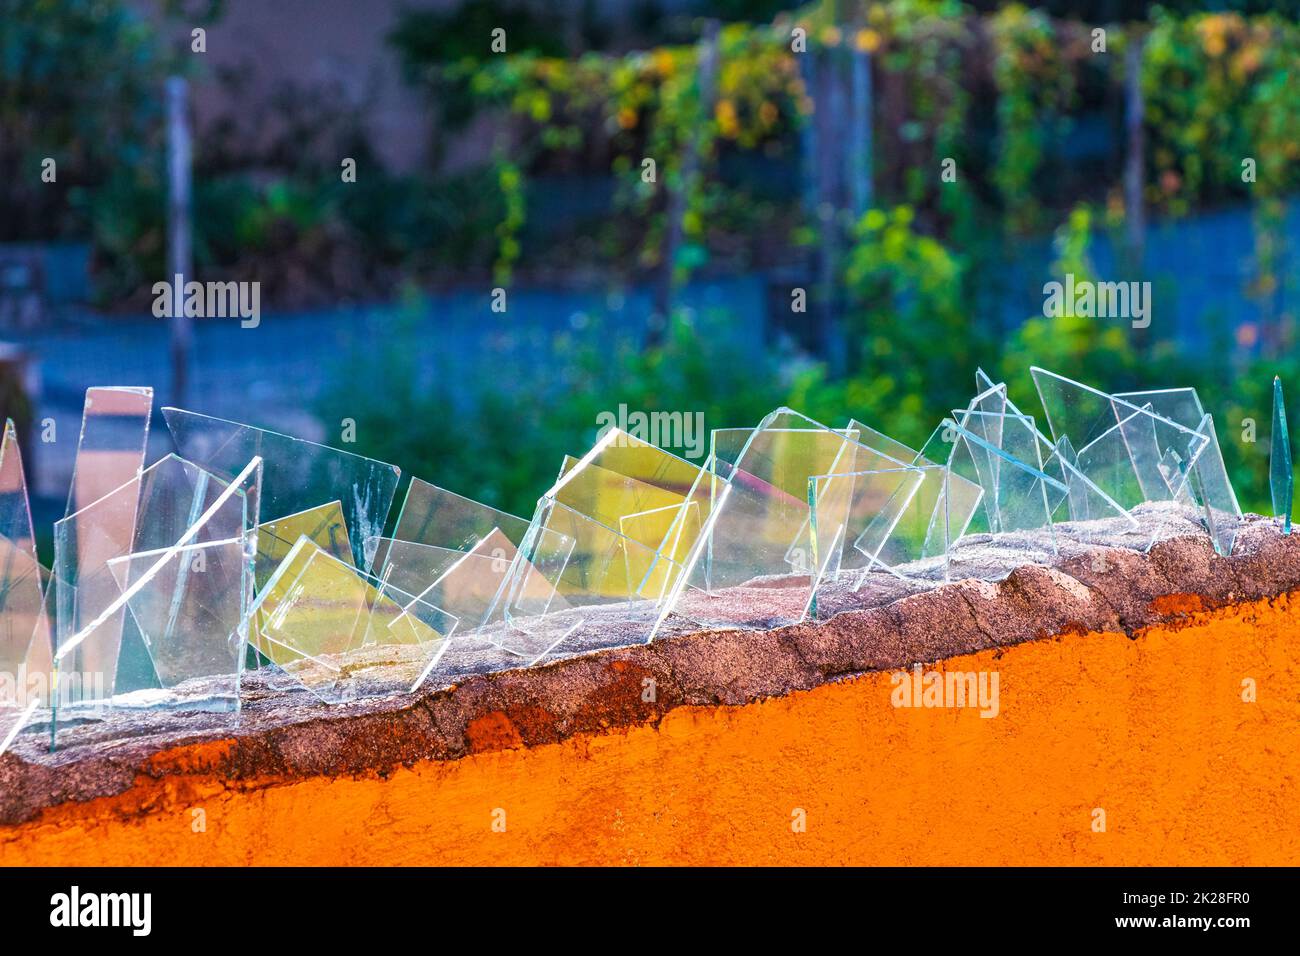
(714,207)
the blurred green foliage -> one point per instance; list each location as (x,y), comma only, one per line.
(1001,91)
(80,83)
(501,439)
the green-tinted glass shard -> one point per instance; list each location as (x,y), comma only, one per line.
(1206,475)
(1281,476)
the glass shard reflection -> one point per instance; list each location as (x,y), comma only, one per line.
(607,548)
(343,634)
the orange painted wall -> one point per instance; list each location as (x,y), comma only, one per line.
(1152,730)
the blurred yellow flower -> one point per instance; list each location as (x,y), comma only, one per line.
(867,41)
(1213,30)
(725,114)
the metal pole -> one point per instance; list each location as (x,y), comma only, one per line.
(178,232)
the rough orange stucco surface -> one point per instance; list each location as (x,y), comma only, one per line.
(1152,730)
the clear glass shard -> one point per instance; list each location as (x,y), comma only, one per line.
(38,667)
(468,583)
(1009,455)
(26,683)
(324,525)
(763,558)
(673,531)
(441,518)
(437,529)
(464,584)
(12,721)
(1124,447)
(192,616)
(639,490)
(1281,474)
(21,590)
(27,690)
(1206,473)
(1146,447)
(573,572)
(872,498)
(1032,489)
(605,548)
(843,508)
(169,506)
(608,495)
(298,475)
(113,441)
(344,634)
(412,567)
(1018,494)
(460,554)
(916,541)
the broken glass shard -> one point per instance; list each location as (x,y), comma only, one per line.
(1153,446)
(324,525)
(465,583)
(573,574)
(1032,489)
(435,516)
(1206,473)
(1281,476)
(437,529)
(298,475)
(1125,448)
(763,556)
(843,509)
(21,592)
(112,444)
(192,616)
(344,634)
(12,720)
(866,503)
(169,506)
(606,549)
(914,539)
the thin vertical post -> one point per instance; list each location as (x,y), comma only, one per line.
(860,133)
(178,231)
(679,192)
